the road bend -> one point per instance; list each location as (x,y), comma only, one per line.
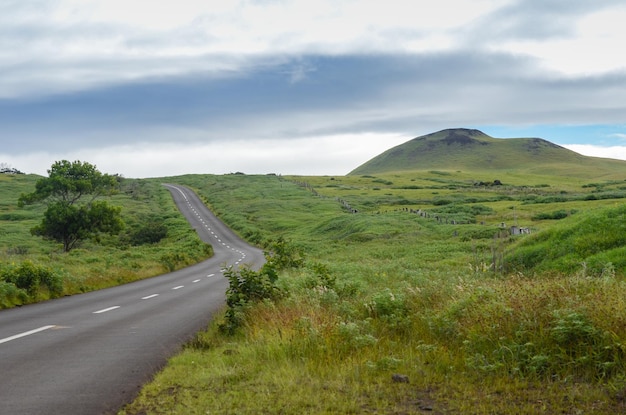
(91,353)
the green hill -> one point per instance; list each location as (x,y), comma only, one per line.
(462,149)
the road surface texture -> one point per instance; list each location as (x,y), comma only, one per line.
(91,353)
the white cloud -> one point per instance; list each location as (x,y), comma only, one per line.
(327,155)
(592,47)
(98,71)
(70,45)
(612,152)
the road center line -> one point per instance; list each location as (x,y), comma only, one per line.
(195,281)
(178,288)
(149,297)
(26,333)
(106,309)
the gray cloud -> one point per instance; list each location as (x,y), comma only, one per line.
(532,20)
(67,83)
(347,94)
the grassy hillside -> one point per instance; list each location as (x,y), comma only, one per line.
(91,266)
(471,150)
(396,312)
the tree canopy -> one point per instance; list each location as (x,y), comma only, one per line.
(73,213)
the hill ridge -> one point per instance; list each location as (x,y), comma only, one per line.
(471,149)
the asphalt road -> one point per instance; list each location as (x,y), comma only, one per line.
(91,353)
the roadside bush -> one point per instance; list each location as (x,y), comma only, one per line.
(173,260)
(247,286)
(31,277)
(10,295)
(283,255)
(149,232)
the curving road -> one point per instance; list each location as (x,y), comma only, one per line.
(91,353)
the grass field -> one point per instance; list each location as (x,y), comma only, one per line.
(392,312)
(398,313)
(116,260)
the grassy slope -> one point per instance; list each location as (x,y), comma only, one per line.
(92,266)
(471,150)
(412,296)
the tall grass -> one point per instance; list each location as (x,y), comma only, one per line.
(595,241)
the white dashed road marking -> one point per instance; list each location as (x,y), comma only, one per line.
(26,333)
(106,309)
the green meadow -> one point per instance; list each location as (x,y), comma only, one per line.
(413,296)
(30,263)
(397,313)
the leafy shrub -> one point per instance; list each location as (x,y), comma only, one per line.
(320,277)
(10,295)
(556,215)
(30,277)
(247,286)
(442,202)
(390,308)
(283,255)
(172,260)
(149,232)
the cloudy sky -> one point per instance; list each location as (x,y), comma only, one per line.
(149,88)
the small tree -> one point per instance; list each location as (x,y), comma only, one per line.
(73,214)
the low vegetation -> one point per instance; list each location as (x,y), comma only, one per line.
(390,311)
(424,301)
(155,239)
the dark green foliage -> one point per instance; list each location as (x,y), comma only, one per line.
(29,278)
(248,286)
(322,276)
(173,260)
(10,295)
(70,217)
(69,224)
(462,212)
(150,231)
(69,182)
(558,214)
(494,183)
(442,202)
(283,255)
